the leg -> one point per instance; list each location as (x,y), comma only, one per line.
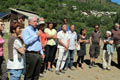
(104,59)
(30,66)
(15,74)
(109,61)
(68,59)
(54,55)
(72,58)
(1,60)
(65,54)
(37,66)
(118,56)
(48,57)
(82,62)
(78,60)
(60,56)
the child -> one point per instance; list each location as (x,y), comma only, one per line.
(82,39)
(108,50)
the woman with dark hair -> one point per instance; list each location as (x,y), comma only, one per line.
(2,41)
(82,39)
(51,44)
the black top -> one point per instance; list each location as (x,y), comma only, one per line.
(82,51)
(105,44)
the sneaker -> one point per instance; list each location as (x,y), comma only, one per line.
(61,71)
(57,72)
(50,69)
(66,68)
(93,64)
(71,68)
(41,75)
(108,69)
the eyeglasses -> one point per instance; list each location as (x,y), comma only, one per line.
(2,24)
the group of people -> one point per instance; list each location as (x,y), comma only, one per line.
(32,50)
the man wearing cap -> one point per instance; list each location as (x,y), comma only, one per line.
(116,38)
(95,39)
(108,50)
(34,52)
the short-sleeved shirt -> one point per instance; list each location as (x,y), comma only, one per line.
(105,45)
(73,39)
(50,32)
(95,37)
(116,36)
(64,37)
(16,64)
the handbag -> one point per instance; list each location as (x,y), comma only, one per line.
(77,46)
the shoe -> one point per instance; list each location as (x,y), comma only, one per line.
(61,71)
(50,69)
(108,69)
(71,68)
(93,64)
(41,75)
(66,68)
(57,72)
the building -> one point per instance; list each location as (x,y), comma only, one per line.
(13,15)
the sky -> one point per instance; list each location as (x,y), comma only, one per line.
(116,1)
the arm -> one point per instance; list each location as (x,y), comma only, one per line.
(90,40)
(111,42)
(2,41)
(28,38)
(21,50)
(61,43)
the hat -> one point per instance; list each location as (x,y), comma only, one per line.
(41,22)
(108,32)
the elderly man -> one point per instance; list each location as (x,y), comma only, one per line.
(34,50)
(116,38)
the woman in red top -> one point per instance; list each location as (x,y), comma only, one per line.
(43,39)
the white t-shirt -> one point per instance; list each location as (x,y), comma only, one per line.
(64,37)
(73,39)
(16,64)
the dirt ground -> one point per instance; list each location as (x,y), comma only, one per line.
(95,73)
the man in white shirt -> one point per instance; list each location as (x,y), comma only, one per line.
(73,39)
(63,46)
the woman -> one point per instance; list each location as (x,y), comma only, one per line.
(82,39)
(51,44)
(2,41)
(16,52)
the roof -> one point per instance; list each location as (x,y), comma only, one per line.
(25,12)
(3,14)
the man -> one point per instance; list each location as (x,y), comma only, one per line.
(95,39)
(73,39)
(63,46)
(64,22)
(31,38)
(116,38)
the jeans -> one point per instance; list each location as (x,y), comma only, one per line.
(70,58)
(61,59)
(15,74)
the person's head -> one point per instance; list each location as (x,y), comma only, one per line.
(117,26)
(64,27)
(97,28)
(41,25)
(1,25)
(32,21)
(72,27)
(16,29)
(83,31)
(108,34)
(50,25)
(20,18)
(65,20)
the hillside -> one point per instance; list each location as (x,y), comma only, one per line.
(56,10)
